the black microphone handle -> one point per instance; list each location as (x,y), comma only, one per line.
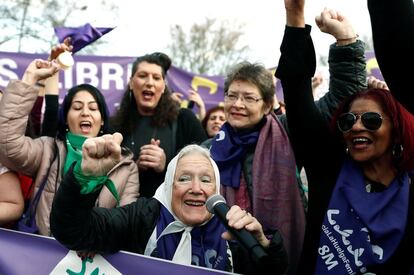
(247,240)
(190,104)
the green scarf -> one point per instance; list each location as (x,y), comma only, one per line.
(89,184)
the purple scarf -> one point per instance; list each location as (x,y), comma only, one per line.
(276,201)
(361,229)
(228,149)
(208,248)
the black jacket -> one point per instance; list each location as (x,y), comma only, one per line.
(79,226)
(306,123)
(393,36)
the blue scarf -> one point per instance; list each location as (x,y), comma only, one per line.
(361,229)
(208,250)
(228,149)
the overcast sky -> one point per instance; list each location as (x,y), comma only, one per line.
(143,26)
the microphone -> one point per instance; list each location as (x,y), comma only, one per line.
(216,204)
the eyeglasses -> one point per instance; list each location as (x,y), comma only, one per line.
(372,121)
(247,99)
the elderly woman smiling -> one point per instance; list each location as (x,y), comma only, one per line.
(173,225)
(257,165)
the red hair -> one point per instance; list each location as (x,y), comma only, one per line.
(402,121)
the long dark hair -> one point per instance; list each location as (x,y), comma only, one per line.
(67,102)
(166,111)
(402,121)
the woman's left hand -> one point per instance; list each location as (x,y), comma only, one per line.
(239,218)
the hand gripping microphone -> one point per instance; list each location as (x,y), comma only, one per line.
(216,204)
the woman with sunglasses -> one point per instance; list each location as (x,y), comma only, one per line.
(360,211)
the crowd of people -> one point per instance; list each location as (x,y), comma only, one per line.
(139,180)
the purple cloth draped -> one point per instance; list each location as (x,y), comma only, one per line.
(276,201)
(81,36)
(207,248)
(361,229)
(228,149)
(23,253)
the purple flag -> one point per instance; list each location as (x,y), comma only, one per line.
(24,253)
(81,36)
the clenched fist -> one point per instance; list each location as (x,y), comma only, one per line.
(101,154)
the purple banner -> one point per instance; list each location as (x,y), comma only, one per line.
(210,88)
(111,75)
(372,66)
(23,253)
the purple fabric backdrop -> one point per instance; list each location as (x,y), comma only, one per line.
(22,253)
(111,74)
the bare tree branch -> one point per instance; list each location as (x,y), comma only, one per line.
(30,23)
(208,47)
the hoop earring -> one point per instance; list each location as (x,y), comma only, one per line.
(397,151)
(101,130)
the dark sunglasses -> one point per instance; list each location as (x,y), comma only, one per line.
(372,121)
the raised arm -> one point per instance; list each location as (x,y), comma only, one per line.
(77,225)
(392,25)
(305,119)
(17,151)
(297,48)
(50,118)
(346,61)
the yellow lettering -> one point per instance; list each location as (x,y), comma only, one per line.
(204,82)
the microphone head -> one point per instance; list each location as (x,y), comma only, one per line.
(213,200)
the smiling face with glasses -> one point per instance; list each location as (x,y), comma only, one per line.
(366,130)
(243,105)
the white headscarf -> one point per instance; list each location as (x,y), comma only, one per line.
(163,194)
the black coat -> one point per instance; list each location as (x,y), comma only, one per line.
(78,225)
(321,154)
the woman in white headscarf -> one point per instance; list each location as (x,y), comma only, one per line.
(173,225)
